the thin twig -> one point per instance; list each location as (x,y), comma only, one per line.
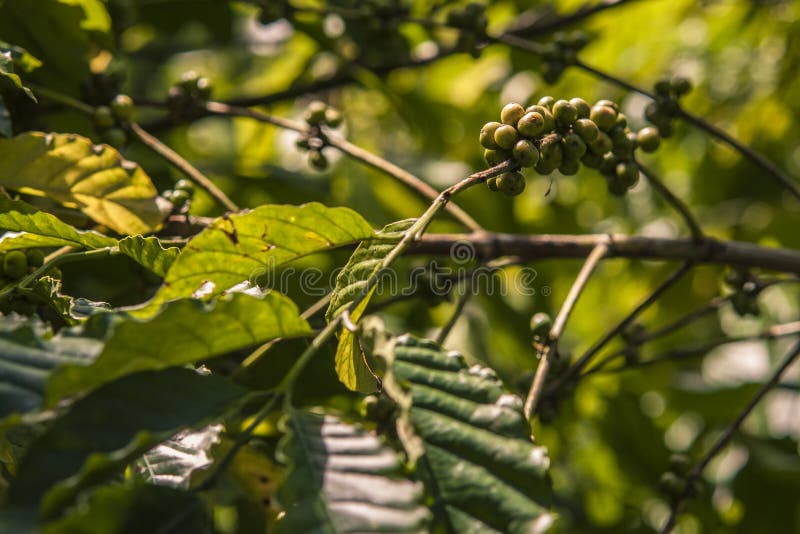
(460,304)
(532,23)
(174,159)
(357,153)
(726,437)
(581,362)
(674,201)
(537,386)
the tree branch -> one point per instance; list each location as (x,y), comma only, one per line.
(537,386)
(674,201)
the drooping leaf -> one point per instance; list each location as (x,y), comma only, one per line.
(469,425)
(149,253)
(186,331)
(21,58)
(7,72)
(351,366)
(343,479)
(92,178)
(101,433)
(33,228)
(135,507)
(173,462)
(250,246)
(28,355)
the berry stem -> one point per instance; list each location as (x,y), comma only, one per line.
(674,201)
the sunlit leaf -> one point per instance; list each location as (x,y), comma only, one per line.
(343,479)
(92,178)
(148,252)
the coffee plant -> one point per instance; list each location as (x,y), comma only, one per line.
(251,279)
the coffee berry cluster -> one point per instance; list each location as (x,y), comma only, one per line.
(560,135)
(109,120)
(316,115)
(190,93)
(16,264)
(472,22)
(561,52)
(743,289)
(662,110)
(180,195)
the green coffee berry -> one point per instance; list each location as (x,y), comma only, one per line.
(188,80)
(511,183)
(115,137)
(623,145)
(679,464)
(604,117)
(680,85)
(609,165)
(541,323)
(511,114)
(506,136)
(587,129)
(184,185)
(569,167)
(666,130)
(622,121)
(592,160)
(103,117)
(179,197)
(547,115)
(35,257)
(491,183)
(654,113)
(15,264)
(662,87)
(671,484)
(608,103)
(486,137)
(582,106)
(648,139)
(628,173)
(545,167)
(601,144)
(616,187)
(203,88)
(496,157)
(526,153)
(546,102)
(55,273)
(531,124)
(550,150)
(577,39)
(553,70)
(317,160)
(315,112)
(122,106)
(564,113)
(574,146)
(333,117)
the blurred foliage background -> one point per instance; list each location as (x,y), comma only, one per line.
(611,438)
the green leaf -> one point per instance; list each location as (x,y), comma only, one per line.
(7,72)
(27,357)
(21,58)
(173,462)
(149,253)
(468,424)
(101,433)
(186,331)
(92,178)
(343,479)
(350,361)
(6,129)
(135,507)
(252,245)
(40,229)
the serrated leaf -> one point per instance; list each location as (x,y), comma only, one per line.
(351,367)
(73,171)
(149,253)
(173,462)
(135,507)
(101,433)
(186,331)
(343,479)
(243,247)
(469,425)
(27,356)
(33,228)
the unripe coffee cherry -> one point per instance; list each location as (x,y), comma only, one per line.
(592,160)
(35,257)
(495,157)
(569,167)
(609,165)
(511,183)
(491,183)
(581,106)
(608,103)
(531,124)
(622,121)
(317,160)
(526,153)
(679,463)
(179,197)
(545,167)
(123,108)
(671,484)
(666,130)
(680,85)
(550,150)
(547,115)
(203,88)
(541,323)
(506,136)
(564,113)
(487,135)
(103,117)
(546,102)
(662,87)
(15,264)
(616,187)
(604,117)
(333,117)
(511,114)
(648,139)
(602,144)
(628,173)
(115,137)
(315,112)
(184,185)
(587,129)
(574,146)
